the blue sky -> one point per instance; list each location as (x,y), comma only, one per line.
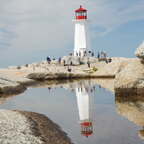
(32,29)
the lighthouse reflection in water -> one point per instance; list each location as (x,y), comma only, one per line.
(84,95)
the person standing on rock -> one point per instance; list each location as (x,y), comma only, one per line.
(104,54)
(59,60)
(88,62)
(92,54)
(64,62)
(98,55)
(79,53)
(48,59)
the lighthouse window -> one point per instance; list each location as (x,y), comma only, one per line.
(81,13)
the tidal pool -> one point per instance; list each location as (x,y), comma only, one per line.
(87,112)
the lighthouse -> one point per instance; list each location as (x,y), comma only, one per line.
(84,94)
(81,37)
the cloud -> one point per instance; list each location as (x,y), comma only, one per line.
(36,26)
(109,15)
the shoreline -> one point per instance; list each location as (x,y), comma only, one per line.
(16,79)
(29,127)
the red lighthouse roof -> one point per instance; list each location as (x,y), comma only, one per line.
(80,9)
(81,13)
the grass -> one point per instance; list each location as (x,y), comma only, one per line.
(91,71)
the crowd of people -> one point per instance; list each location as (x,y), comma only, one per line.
(84,53)
(100,55)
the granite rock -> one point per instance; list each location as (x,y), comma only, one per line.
(140,51)
(9,86)
(28,127)
(131,79)
(110,70)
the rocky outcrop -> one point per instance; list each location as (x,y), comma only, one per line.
(111,69)
(131,79)
(25,75)
(60,75)
(140,51)
(9,86)
(28,127)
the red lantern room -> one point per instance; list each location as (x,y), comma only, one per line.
(81,13)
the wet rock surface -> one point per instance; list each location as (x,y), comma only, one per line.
(28,127)
(48,131)
(9,86)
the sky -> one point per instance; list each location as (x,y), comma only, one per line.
(31,30)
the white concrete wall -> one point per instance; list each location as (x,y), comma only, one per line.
(81,37)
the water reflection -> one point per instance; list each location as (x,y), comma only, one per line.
(132,107)
(74,105)
(84,91)
(84,95)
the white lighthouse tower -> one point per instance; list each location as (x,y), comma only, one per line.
(81,38)
(84,96)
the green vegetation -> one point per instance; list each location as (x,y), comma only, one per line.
(91,71)
(94,69)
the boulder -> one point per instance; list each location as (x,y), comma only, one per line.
(140,51)
(111,69)
(9,86)
(68,60)
(59,75)
(29,127)
(131,79)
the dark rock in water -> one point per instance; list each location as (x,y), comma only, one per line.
(29,127)
(43,127)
